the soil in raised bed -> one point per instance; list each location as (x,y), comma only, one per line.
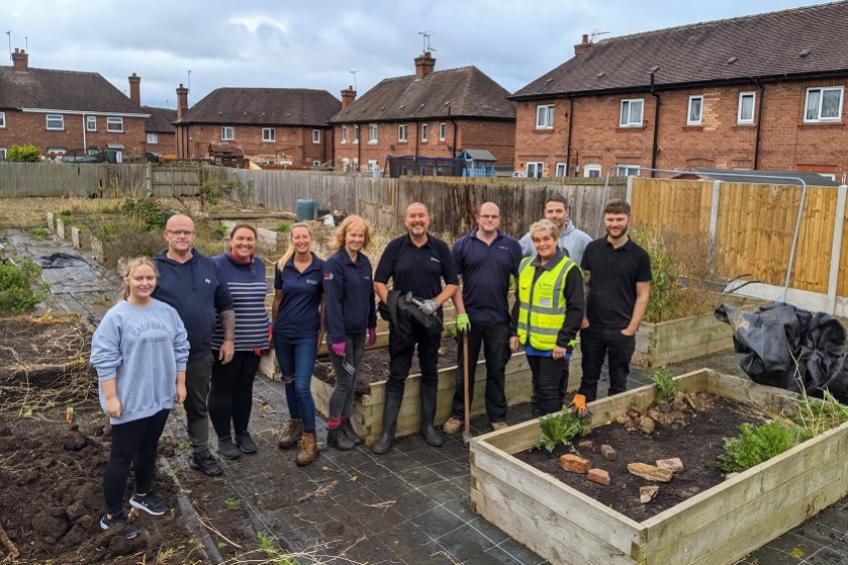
(52,499)
(697,445)
(375,365)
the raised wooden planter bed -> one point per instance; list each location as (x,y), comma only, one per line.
(368,409)
(719,525)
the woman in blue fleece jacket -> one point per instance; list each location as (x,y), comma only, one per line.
(140,351)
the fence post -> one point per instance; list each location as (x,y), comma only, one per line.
(148,180)
(713,234)
(629,194)
(836,248)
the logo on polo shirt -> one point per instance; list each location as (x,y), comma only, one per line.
(328,276)
(504,247)
(311,281)
(434,259)
(208,281)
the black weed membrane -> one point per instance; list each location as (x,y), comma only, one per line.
(788,347)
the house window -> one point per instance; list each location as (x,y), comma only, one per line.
(345,165)
(631,113)
(372,133)
(316,136)
(344,135)
(627,171)
(745,114)
(356,164)
(696,109)
(535,170)
(115,124)
(424,129)
(269,134)
(356,133)
(55,121)
(152,138)
(560,170)
(3,121)
(56,150)
(228,133)
(545,116)
(443,131)
(3,153)
(91,123)
(823,104)
(592,171)
(402,133)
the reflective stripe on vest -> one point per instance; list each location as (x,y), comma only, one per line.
(541,305)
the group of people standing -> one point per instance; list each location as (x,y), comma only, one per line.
(191,330)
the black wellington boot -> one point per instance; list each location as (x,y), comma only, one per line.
(390,414)
(428,414)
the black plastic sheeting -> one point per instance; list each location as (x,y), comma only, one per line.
(785,346)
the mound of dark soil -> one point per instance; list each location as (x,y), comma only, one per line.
(42,350)
(52,500)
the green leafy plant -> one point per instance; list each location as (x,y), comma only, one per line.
(40,233)
(148,211)
(16,287)
(664,299)
(275,555)
(209,192)
(816,415)
(23,153)
(559,429)
(232,503)
(284,226)
(240,190)
(666,385)
(758,443)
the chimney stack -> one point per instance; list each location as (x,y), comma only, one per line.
(135,89)
(182,100)
(583,46)
(20,60)
(348,96)
(424,64)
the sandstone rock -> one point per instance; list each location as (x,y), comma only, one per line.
(674,464)
(622,419)
(647,494)
(663,407)
(575,464)
(599,476)
(646,425)
(649,472)
(586,444)
(655,414)
(678,405)
(608,452)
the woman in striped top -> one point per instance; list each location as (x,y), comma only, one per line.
(231,395)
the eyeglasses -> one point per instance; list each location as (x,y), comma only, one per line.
(181,233)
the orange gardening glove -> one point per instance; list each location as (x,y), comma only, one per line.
(578,406)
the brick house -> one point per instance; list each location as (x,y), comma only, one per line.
(756,92)
(159,133)
(62,111)
(269,126)
(428,114)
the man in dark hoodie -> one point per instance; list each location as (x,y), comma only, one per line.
(189,282)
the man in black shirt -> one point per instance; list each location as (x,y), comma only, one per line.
(617,282)
(416,262)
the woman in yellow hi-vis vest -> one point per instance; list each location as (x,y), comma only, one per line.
(547,314)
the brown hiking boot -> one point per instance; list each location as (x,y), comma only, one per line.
(308,450)
(293,434)
(452,425)
(498,425)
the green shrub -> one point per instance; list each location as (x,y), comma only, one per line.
(16,287)
(40,233)
(666,385)
(559,428)
(284,226)
(816,415)
(209,192)
(25,153)
(149,212)
(758,443)
(664,300)
(239,190)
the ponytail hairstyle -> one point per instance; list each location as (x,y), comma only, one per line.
(127,269)
(281,264)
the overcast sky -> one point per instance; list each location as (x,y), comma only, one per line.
(315,44)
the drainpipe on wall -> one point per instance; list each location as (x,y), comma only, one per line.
(417,135)
(759,124)
(655,148)
(455,128)
(84,145)
(359,150)
(568,143)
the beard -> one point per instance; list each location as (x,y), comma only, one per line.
(619,236)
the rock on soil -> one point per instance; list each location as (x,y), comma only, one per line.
(649,472)
(608,452)
(648,493)
(575,464)
(674,464)
(599,476)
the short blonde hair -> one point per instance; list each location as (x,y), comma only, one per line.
(545,225)
(130,266)
(348,223)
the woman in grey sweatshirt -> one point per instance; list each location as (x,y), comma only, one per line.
(140,351)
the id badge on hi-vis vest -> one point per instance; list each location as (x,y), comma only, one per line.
(545,302)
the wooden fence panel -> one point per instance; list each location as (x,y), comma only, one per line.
(678,206)
(20,180)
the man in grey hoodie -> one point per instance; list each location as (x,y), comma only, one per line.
(571,240)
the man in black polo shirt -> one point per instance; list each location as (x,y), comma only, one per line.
(416,262)
(617,282)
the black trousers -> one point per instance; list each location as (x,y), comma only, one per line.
(547,373)
(494,337)
(597,343)
(132,443)
(401,350)
(231,396)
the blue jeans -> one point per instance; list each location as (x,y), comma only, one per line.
(296,356)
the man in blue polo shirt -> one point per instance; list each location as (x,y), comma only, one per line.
(416,262)
(485,259)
